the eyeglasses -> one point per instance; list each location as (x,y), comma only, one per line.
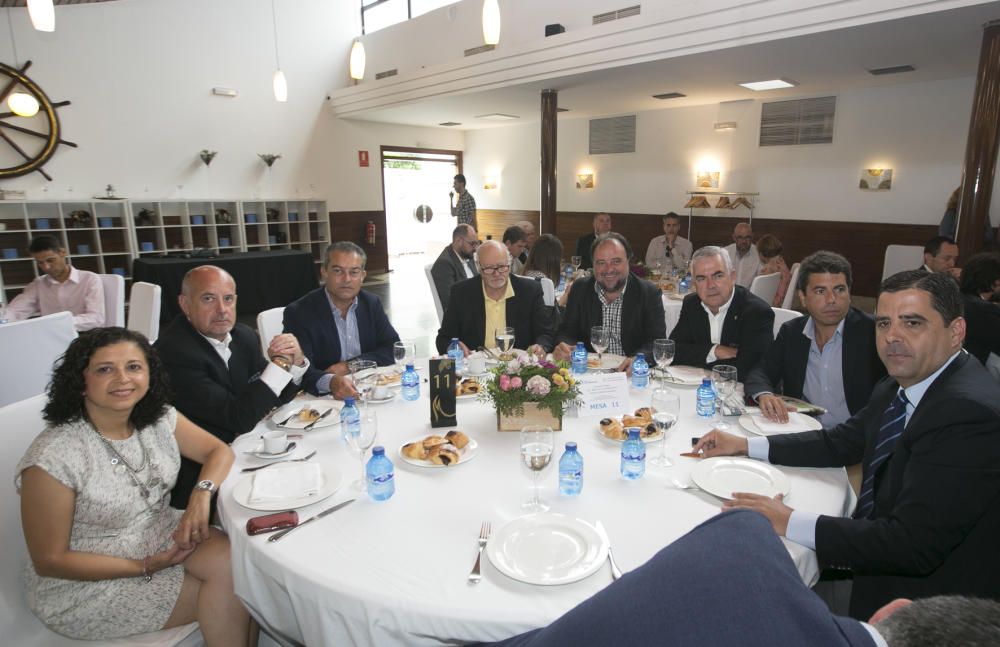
(353,273)
(495,269)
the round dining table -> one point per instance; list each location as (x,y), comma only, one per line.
(396,572)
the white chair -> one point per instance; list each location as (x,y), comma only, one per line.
(902,257)
(793,282)
(22,422)
(269,324)
(114,299)
(548,291)
(766,286)
(30,348)
(782,315)
(434,293)
(144,309)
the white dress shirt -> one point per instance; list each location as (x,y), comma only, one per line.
(747,266)
(273,375)
(82,294)
(715,323)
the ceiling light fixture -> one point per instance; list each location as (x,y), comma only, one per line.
(773,84)
(894,69)
(669,95)
(722,126)
(497,116)
(491,22)
(43,15)
(21,104)
(279,83)
(358,60)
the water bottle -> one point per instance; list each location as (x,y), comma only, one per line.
(380,475)
(571,471)
(580,358)
(350,419)
(705,399)
(633,455)
(411,384)
(685,284)
(455,353)
(640,372)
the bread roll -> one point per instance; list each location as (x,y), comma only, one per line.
(457,438)
(446,455)
(433,441)
(415,450)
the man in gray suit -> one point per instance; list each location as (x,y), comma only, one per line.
(455,263)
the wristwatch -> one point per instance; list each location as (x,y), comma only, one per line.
(281,362)
(206,485)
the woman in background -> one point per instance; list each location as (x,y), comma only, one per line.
(769,249)
(545,259)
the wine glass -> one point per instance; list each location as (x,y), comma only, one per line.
(666,408)
(536,454)
(663,353)
(360,442)
(505,341)
(575,261)
(364,373)
(404,353)
(724,383)
(599,340)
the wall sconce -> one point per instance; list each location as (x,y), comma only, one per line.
(357,60)
(876,179)
(490,183)
(585,180)
(491,22)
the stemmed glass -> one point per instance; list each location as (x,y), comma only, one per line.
(404,353)
(536,454)
(360,442)
(364,373)
(599,340)
(575,261)
(505,341)
(724,383)
(663,353)
(666,408)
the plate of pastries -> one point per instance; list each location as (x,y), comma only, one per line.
(454,448)
(615,428)
(467,388)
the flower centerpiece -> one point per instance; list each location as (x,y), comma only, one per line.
(528,390)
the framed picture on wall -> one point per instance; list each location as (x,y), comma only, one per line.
(875,179)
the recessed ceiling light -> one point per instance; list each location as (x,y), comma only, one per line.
(725,125)
(895,69)
(497,116)
(669,95)
(450,123)
(773,84)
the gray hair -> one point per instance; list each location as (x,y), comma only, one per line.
(498,245)
(344,246)
(711,250)
(943,620)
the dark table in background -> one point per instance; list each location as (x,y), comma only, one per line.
(263,279)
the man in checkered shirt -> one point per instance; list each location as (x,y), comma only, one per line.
(465,208)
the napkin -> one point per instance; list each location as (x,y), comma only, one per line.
(287,481)
(796,422)
(687,373)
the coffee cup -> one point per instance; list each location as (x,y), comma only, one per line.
(380,392)
(476,363)
(275,442)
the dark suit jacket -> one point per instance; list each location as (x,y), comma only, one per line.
(982,334)
(642,316)
(466,318)
(733,561)
(311,321)
(447,271)
(783,367)
(225,401)
(583,250)
(749,326)
(935,525)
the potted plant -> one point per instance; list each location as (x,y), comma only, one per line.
(528,390)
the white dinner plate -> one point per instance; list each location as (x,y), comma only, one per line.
(389,377)
(609,362)
(465,454)
(547,549)
(331,480)
(798,422)
(722,476)
(681,375)
(319,405)
(388,398)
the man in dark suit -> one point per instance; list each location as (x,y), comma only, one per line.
(721,323)
(940,255)
(492,301)
(219,378)
(339,321)
(827,358)
(928,516)
(455,262)
(629,308)
(585,244)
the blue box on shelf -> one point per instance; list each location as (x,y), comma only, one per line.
(197,220)
(106,222)
(293,216)
(10,252)
(42,223)
(83,249)
(251,218)
(146,247)
(120,271)
(223,242)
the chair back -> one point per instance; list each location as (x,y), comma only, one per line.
(144,309)
(766,286)
(434,293)
(793,289)
(114,299)
(30,348)
(270,323)
(902,257)
(548,291)
(782,315)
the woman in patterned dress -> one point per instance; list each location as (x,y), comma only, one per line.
(109,557)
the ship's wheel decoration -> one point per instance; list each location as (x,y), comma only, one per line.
(32,140)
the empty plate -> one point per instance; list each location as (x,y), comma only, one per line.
(547,549)
(721,476)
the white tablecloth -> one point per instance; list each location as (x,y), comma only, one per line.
(394,573)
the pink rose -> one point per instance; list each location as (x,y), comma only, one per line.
(505,383)
(538,385)
(516,382)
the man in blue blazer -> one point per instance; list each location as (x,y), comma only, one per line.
(339,321)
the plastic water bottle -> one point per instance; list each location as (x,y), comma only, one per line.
(640,372)
(350,419)
(705,399)
(455,352)
(380,475)
(633,455)
(411,384)
(580,358)
(571,471)
(685,284)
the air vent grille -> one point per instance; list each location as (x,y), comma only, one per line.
(617,14)
(450,123)
(801,121)
(895,69)
(612,135)
(479,50)
(386,74)
(669,95)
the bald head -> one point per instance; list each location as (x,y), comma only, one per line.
(743,237)
(208,300)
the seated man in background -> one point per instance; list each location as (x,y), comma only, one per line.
(980,284)
(721,323)
(670,251)
(339,321)
(743,255)
(455,262)
(828,357)
(927,521)
(60,288)
(629,308)
(492,301)
(516,242)
(528,228)
(940,255)
(584,245)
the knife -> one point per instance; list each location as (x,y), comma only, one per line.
(323,415)
(615,571)
(278,535)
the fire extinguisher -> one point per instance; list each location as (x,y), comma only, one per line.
(370,233)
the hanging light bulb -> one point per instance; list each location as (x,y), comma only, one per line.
(491,22)
(22,104)
(43,15)
(357,61)
(280,87)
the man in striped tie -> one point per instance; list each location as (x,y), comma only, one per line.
(927,520)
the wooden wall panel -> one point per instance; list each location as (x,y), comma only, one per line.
(495,221)
(350,225)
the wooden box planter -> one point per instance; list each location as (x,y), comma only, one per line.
(532,416)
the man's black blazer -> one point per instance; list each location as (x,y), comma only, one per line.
(982,332)
(466,316)
(311,321)
(583,244)
(446,271)
(642,316)
(783,367)
(935,525)
(749,326)
(225,401)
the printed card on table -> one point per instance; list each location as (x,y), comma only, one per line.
(442,383)
(603,395)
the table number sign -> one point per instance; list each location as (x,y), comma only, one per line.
(603,394)
(442,383)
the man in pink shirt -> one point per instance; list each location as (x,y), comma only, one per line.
(62,287)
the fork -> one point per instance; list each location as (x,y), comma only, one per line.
(294,460)
(484,535)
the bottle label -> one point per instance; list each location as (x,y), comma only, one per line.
(381,479)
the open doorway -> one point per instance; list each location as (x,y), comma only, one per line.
(416,183)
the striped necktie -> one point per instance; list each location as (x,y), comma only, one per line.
(893,421)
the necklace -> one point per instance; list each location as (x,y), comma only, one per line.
(120,464)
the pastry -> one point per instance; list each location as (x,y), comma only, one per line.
(593,362)
(612,429)
(433,441)
(644,412)
(633,421)
(468,386)
(385,379)
(415,450)
(648,431)
(308,414)
(457,438)
(445,454)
